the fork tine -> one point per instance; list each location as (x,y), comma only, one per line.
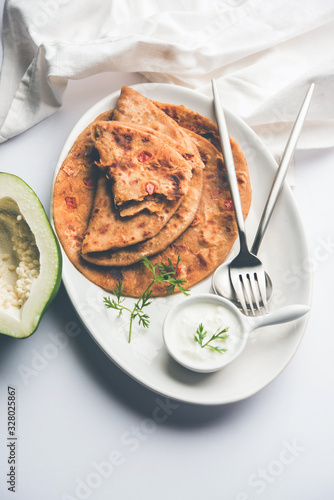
(246,280)
(238,289)
(255,290)
(261,281)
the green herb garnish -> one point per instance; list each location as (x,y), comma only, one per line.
(219,335)
(162,273)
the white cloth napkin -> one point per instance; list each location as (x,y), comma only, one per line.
(263,53)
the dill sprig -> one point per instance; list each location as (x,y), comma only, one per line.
(201,334)
(162,273)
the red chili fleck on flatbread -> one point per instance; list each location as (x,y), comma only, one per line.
(150,188)
(229,205)
(144,156)
(70,202)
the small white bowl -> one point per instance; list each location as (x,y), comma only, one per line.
(215,313)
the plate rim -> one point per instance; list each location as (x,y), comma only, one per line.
(80,124)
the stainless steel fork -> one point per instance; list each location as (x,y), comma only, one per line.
(246,271)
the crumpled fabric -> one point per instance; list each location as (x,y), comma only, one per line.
(264,55)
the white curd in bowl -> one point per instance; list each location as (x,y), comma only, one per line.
(212,311)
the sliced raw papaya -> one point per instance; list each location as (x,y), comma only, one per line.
(30,258)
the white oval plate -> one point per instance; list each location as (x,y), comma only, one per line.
(284,252)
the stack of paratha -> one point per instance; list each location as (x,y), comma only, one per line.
(147,179)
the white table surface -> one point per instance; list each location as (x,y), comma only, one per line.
(87,430)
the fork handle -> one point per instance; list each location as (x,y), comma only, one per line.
(282,170)
(229,164)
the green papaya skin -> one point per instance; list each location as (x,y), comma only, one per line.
(30,283)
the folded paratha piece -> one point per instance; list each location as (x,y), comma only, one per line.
(107,230)
(133,253)
(134,108)
(140,165)
(110,230)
